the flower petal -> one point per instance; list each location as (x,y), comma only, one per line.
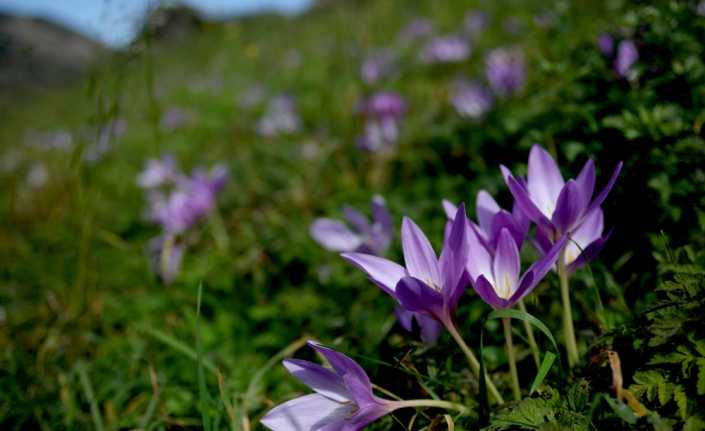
(344,366)
(603,194)
(590,230)
(383,272)
(381,215)
(334,235)
(429,328)
(417,296)
(544,180)
(486,291)
(589,253)
(586,182)
(357,219)
(421,261)
(307,413)
(455,250)
(538,270)
(568,208)
(507,265)
(479,260)
(486,208)
(449,208)
(318,378)
(505,220)
(528,207)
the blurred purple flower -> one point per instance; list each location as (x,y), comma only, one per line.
(280,118)
(417,29)
(362,236)
(700,8)
(191,199)
(627,55)
(606,44)
(54,140)
(428,285)
(343,398)
(37,176)
(174,118)
(562,208)
(475,21)
(545,19)
(378,66)
(158,172)
(445,49)
(505,70)
(471,99)
(383,112)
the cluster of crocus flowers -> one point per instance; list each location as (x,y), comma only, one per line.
(562,208)
(505,70)
(484,254)
(383,113)
(280,118)
(177,202)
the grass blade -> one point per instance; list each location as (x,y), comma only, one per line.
(179,346)
(90,396)
(202,390)
(546,365)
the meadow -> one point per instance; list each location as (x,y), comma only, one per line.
(169,230)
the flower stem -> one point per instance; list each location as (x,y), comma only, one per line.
(511,357)
(530,336)
(570,344)
(472,360)
(430,403)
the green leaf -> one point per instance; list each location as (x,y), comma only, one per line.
(681,400)
(701,376)
(202,390)
(546,364)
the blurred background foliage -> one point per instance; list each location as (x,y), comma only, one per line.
(85,324)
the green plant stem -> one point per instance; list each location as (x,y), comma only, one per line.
(569,331)
(430,403)
(165,258)
(530,336)
(511,357)
(472,360)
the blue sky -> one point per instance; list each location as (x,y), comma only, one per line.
(114,22)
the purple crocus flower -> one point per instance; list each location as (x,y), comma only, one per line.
(428,285)
(362,236)
(496,278)
(556,206)
(191,200)
(471,99)
(280,118)
(627,55)
(605,43)
(505,70)
(445,49)
(158,172)
(378,66)
(343,398)
(383,112)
